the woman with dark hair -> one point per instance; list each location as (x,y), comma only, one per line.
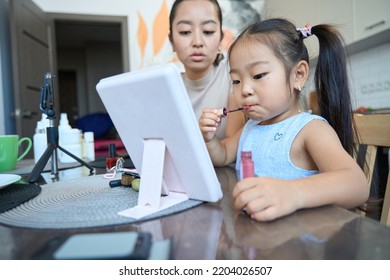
(195,33)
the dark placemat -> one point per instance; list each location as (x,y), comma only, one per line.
(16,194)
(81,203)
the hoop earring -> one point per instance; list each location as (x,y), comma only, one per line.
(219,58)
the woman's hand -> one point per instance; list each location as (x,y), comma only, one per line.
(264,198)
(208,123)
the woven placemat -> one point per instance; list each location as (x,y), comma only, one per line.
(81,203)
(16,194)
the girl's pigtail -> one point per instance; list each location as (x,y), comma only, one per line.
(332,85)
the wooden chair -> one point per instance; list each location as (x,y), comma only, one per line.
(374,131)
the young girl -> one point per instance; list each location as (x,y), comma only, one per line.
(301,160)
(195,36)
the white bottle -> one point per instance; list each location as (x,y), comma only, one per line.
(71,142)
(63,127)
(69,139)
(89,147)
(40,138)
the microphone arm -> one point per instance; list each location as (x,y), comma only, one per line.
(47,97)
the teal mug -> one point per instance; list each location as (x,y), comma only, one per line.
(9,151)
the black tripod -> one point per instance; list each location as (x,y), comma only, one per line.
(47,107)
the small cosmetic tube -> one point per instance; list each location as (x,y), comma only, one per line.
(247,164)
(112,158)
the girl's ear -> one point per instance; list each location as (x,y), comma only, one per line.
(301,74)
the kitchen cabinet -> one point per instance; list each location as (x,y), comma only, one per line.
(357,20)
(370,17)
(339,13)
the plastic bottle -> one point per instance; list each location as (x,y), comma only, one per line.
(64,125)
(71,142)
(247,165)
(89,147)
(69,139)
(40,138)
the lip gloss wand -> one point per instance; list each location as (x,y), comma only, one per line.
(225,111)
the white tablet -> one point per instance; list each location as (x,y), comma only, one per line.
(154,118)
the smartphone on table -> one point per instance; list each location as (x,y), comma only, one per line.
(105,246)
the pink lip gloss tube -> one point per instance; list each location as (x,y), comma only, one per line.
(247,165)
(247,168)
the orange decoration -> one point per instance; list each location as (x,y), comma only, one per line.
(160,28)
(142,34)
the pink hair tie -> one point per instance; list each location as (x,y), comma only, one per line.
(306,31)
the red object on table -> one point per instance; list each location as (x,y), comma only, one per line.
(101,147)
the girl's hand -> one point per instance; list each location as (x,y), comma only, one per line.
(208,122)
(265,199)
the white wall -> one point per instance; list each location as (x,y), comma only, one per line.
(369,73)
(370,77)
